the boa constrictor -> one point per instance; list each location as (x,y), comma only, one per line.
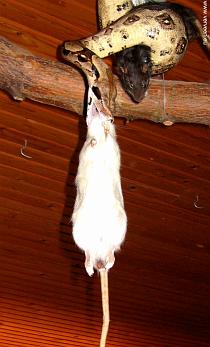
(132,65)
(155,26)
(158,26)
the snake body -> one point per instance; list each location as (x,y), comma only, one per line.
(132,65)
(110,11)
(164,27)
(158,27)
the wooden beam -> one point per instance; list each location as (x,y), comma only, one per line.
(24,75)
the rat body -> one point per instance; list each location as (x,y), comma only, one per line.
(134,64)
(99,219)
(134,68)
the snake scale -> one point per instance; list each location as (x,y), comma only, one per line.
(134,65)
(162,27)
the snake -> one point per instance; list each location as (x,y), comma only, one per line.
(160,26)
(134,65)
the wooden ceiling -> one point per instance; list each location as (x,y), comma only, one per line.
(160,284)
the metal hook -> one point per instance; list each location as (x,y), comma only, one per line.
(24,147)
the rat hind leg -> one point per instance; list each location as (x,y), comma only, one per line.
(89,264)
(110,259)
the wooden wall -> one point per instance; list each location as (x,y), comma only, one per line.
(160,284)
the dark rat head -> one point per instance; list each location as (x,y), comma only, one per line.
(133,67)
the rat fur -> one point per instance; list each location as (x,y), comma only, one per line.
(99,219)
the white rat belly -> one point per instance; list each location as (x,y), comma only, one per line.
(99,219)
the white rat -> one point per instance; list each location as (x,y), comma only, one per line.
(99,219)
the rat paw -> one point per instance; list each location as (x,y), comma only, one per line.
(110,260)
(88,264)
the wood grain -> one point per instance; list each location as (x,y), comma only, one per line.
(26,76)
(160,284)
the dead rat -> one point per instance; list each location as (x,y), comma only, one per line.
(99,219)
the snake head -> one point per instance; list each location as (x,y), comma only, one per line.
(70,50)
(74,52)
(133,67)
